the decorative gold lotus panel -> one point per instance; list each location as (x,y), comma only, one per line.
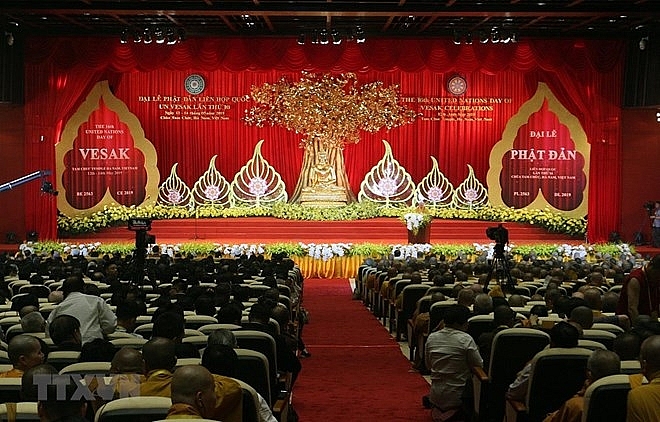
(387,182)
(257,184)
(435,190)
(470,193)
(174,191)
(212,188)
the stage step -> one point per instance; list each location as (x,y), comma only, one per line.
(270,230)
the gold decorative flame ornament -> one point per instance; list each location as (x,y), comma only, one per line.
(257,183)
(435,189)
(387,182)
(174,191)
(212,188)
(470,193)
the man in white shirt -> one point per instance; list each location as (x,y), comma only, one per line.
(450,354)
(95,316)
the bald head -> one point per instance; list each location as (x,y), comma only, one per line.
(127,361)
(194,385)
(603,363)
(24,352)
(159,353)
(583,316)
(466,297)
(593,299)
(650,357)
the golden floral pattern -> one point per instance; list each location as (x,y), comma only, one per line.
(211,188)
(174,191)
(387,182)
(435,189)
(258,183)
(470,193)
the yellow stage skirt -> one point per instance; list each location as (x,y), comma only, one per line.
(339,267)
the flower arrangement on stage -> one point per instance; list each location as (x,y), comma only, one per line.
(326,252)
(119,215)
(416,221)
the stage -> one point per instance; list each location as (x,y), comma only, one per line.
(272,230)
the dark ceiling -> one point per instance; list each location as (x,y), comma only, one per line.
(394,18)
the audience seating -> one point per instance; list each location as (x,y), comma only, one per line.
(479,324)
(601,336)
(4,357)
(138,409)
(615,329)
(591,344)
(196,321)
(557,374)
(250,402)
(198,341)
(188,361)
(630,367)
(607,399)
(10,390)
(135,342)
(410,295)
(60,359)
(511,350)
(253,369)
(265,344)
(25,411)
(84,368)
(38,290)
(209,328)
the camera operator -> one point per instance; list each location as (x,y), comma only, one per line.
(655,223)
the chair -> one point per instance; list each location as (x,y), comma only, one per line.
(59,358)
(557,374)
(511,349)
(118,334)
(198,341)
(7,322)
(139,409)
(265,344)
(10,390)
(38,290)
(13,331)
(410,295)
(252,368)
(250,402)
(607,399)
(196,321)
(134,343)
(591,345)
(209,328)
(608,327)
(188,361)
(630,367)
(437,313)
(144,330)
(83,368)
(601,336)
(25,411)
(479,324)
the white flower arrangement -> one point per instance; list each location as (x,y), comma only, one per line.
(415,221)
(411,251)
(326,251)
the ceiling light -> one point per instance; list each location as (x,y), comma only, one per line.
(336,37)
(323,37)
(301,39)
(124,36)
(643,43)
(657,117)
(159,34)
(359,35)
(10,38)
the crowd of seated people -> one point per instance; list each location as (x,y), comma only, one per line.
(570,299)
(91,308)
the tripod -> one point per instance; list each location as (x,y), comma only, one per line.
(500,269)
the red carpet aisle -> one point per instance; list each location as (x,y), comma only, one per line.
(357,371)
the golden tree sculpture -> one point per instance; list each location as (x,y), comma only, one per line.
(329,111)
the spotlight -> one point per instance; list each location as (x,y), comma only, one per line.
(10,38)
(323,37)
(336,37)
(483,37)
(468,38)
(657,117)
(359,35)
(159,34)
(457,38)
(124,36)
(495,36)
(301,39)
(170,35)
(148,38)
(315,37)
(643,43)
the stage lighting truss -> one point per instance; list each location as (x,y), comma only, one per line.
(334,36)
(495,35)
(160,34)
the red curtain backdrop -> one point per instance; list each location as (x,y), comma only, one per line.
(586,76)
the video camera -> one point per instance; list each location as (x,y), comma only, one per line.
(499,234)
(649,206)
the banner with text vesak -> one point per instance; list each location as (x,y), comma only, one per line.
(103,157)
(542,160)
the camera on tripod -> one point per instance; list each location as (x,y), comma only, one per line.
(649,206)
(499,234)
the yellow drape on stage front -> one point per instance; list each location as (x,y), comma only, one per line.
(338,267)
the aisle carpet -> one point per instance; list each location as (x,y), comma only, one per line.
(357,371)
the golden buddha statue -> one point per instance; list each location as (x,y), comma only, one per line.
(322,189)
